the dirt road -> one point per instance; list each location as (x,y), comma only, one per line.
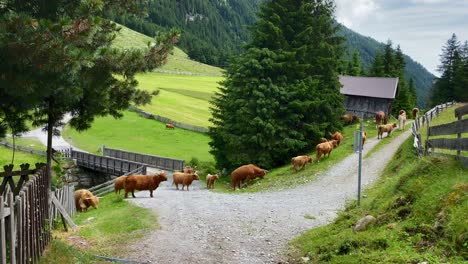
(200,226)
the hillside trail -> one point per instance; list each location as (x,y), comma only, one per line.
(201,226)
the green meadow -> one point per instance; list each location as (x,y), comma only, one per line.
(182,98)
(138,134)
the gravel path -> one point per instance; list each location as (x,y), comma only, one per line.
(201,226)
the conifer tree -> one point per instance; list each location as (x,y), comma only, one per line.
(57,58)
(355,65)
(451,60)
(282,94)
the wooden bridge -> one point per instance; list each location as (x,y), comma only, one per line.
(118,162)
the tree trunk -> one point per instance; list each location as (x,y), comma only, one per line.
(50,130)
(14,149)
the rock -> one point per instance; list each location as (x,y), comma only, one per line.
(89,220)
(362,224)
(305,259)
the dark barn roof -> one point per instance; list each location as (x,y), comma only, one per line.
(378,87)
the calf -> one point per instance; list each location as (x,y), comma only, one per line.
(325,148)
(184,178)
(338,137)
(143,182)
(349,119)
(84,199)
(415,113)
(248,172)
(379,118)
(385,128)
(364,137)
(210,180)
(170,126)
(323,140)
(300,162)
(402,120)
(119,184)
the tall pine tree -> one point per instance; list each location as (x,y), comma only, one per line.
(282,94)
(444,87)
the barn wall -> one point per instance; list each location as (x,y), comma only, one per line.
(367,105)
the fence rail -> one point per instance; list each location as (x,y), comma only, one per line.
(455,128)
(24,149)
(150,160)
(168,120)
(108,165)
(425,119)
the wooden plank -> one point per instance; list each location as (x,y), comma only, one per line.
(464,161)
(448,143)
(450,128)
(2,232)
(461,111)
(19,225)
(62,211)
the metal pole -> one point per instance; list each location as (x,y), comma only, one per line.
(360,160)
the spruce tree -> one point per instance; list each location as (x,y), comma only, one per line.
(450,59)
(355,65)
(282,94)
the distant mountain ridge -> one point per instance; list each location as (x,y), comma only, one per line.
(212,30)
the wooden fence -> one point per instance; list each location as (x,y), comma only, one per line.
(150,160)
(107,187)
(26,211)
(168,120)
(426,119)
(458,127)
(24,149)
(108,165)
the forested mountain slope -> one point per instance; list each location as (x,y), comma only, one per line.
(212,30)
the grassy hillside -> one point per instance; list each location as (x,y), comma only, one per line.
(178,61)
(135,133)
(182,98)
(421,210)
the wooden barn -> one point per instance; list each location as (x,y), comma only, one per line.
(368,95)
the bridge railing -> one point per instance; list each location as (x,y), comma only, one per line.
(153,161)
(108,165)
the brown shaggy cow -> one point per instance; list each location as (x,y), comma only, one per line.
(402,119)
(348,119)
(119,184)
(379,118)
(338,137)
(386,128)
(248,172)
(210,180)
(143,182)
(170,126)
(325,148)
(415,113)
(84,199)
(185,179)
(300,162)
(364,137)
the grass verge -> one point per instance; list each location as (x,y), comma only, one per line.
(421,210)
(283,177)
(106,231)
(20,158)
